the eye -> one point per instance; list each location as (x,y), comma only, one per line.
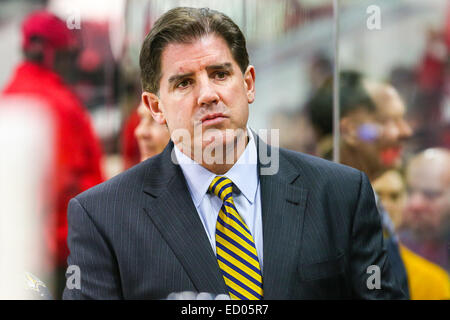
(184,83)
(395,196)
(220,75)
(431,194)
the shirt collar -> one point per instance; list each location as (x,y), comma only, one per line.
(244,173)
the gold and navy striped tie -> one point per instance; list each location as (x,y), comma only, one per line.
(235,248)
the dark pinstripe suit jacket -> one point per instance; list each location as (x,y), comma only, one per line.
(138,235)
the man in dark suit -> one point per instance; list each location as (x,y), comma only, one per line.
(218,210)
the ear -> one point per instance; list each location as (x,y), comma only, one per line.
(152,102)
(249,82)
(348,130)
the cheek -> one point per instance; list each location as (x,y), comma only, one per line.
(370,149)
(183,120)
(438,207)
(392,134)
(178,117)
(161,134)
(138,131)
(240,108)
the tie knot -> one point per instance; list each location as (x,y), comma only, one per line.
(221,187)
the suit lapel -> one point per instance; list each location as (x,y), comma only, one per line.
(283,204)
(172,211)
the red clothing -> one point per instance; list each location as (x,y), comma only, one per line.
(431,73)
(78,153)
(130,149)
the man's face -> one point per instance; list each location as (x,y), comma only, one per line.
(378,135)
(428,204)
(150,135)
(202,88)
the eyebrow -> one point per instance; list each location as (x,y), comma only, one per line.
(177,77)
(224,66)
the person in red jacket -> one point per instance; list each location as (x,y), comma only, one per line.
(47,46)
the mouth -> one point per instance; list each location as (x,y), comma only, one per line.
(390,155)
(213,118)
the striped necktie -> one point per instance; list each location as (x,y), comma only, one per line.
(236,252)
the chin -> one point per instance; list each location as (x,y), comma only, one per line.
(215,137)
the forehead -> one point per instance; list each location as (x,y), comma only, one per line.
(389,182)
(194,56)
(424,173)
(389,103)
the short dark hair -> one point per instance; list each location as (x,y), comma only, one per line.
(352,95)
(183,25)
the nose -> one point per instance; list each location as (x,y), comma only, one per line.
(416,202)
(142,131)
(404,130)
(207,94)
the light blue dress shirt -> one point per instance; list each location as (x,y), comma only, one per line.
(246,193)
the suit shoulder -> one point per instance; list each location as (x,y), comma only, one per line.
(309,164)
(131,179)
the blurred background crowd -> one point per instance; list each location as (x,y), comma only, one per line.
(70,113)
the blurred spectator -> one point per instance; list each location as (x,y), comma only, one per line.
(97,71)
(142,137)
(50,48)
(430,109)
(296,132)
(151,137)
(431,74)
(372,124)
(427,212)
(129,145)
(372,130)
(130,100)
(320,69)
(391,190)
(426,280)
